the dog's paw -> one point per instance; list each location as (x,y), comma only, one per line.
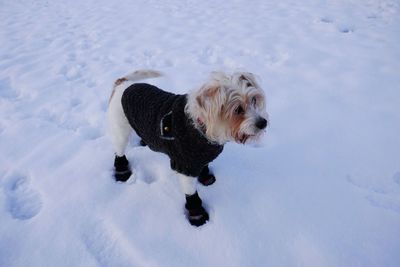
(122,170)
(198,217)
(206,179)
(122,176)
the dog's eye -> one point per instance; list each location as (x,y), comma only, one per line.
(254,101)
(239,110)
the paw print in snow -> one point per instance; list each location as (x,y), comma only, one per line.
(22,201)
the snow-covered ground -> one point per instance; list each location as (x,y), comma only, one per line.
(322,190)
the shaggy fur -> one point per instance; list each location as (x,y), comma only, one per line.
(191,129)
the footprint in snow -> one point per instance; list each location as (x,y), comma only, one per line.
(343,28)
(346,29)
(75,102)
(72,72)
(89,133)
(384,203)
(23,202)
(383,194)
(108,245)
(326,20)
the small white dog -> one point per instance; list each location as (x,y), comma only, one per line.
(191,129)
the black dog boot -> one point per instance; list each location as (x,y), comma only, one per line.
(197,215)
(122,171)
(206,178)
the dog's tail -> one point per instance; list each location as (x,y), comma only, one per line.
(134,77)
(137,76)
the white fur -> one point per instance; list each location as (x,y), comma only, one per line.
(118,126)
(188,184)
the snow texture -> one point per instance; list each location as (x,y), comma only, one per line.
(323,188)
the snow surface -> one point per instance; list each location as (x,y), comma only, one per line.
(322,190)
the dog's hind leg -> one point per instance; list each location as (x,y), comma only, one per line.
(197,215)
(119,131)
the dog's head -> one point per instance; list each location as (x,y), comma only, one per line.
(229,108)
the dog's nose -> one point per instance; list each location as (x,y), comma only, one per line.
(261,123)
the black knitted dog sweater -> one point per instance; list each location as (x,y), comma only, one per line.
(159,118)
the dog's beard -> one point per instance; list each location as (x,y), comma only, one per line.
(248,132)
(245,138)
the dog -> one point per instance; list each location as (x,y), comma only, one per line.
(190,128)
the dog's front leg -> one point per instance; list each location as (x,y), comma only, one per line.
(197,215)
(206,177)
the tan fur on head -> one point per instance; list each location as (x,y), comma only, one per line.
(228,107)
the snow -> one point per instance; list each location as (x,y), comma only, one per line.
(323,189)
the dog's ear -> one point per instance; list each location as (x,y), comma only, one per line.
(214,90)
(210,101)
(207,94)
(247,78)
